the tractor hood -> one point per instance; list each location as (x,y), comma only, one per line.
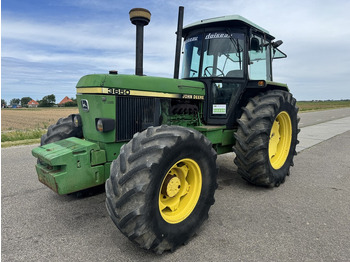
(127,104)
(134,85)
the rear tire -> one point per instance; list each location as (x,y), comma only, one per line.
(162,186)
(266,138)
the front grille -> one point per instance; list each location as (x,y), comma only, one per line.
(135,114)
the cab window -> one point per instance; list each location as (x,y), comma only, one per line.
(259,65)
(223,54)
(192,56)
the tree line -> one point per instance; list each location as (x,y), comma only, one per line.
(46,101)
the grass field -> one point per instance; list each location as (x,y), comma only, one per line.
(322,105)
(25,126)
(32,118)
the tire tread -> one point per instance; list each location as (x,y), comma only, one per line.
(253,133)
(131,173)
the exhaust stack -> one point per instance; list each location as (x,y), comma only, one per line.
(139,17)
(178,41)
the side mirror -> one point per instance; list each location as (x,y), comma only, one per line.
(254,44)
(277,43)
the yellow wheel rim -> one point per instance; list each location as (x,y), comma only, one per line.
(280,140)
(180,191)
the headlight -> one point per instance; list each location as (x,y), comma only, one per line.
(105,124)
(77,121)
(99,125)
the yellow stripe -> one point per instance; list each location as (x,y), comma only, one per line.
(103,90)
(92,90)
(154,94)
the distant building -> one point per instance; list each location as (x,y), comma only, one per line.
(33,103)
(65,100)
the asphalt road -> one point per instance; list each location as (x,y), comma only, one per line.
(305,219)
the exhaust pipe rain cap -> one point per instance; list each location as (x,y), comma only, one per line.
(140,16)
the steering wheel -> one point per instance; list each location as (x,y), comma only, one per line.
(207,72)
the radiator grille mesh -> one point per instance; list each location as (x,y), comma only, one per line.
(134,114)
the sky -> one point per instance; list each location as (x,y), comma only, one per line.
(47,45)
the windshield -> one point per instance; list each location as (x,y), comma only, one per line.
(191,59)
(222,55)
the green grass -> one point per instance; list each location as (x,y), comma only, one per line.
(20,142)
(18,135)
(322,105)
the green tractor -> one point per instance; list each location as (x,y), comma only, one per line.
(154,141)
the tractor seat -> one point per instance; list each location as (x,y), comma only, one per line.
(235,73)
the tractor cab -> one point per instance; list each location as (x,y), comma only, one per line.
(228,54)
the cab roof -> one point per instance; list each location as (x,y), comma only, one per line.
(230,20)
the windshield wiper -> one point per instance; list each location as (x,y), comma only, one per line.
(235,42)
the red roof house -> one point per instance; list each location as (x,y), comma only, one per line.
(33,103)
(65,100)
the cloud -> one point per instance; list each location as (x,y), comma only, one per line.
(67,35)
(51,58)
(49,53)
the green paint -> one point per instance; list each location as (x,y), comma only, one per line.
(223,149)
(100,106)
(67,165)
(98,157)
(228,137)
(143,83)
(112,150)
(219,136)
(276,84)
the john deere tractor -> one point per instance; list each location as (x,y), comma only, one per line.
(154,141)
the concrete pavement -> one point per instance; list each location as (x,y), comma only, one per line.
(312,135)
(310,118)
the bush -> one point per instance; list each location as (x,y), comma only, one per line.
(71,104)
(47,101)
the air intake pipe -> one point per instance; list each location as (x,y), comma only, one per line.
(139,17)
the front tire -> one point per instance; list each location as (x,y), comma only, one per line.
(162,186)
(64,128)
(266,138)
